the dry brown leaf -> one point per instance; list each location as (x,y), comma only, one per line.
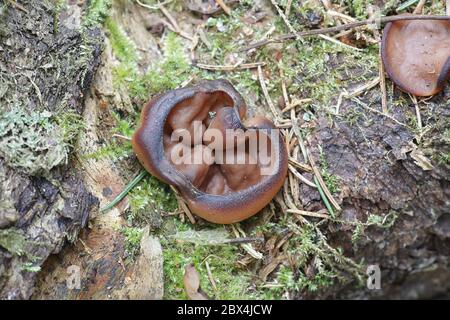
(191,282)
(421,160)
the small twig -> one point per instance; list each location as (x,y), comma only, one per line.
(341,15)
(125,191)
(210,276)
(246,246)
(266,94)
(116,135)
(301,166)
(173,25)
(224,7)
(382,76)
(283,85)
(382,84)
(295,103)
(419,7)
(416,105)
(356,92)
(18,6)
(238,66)
(300,177)
(183,205)
(243,240)
(287,11)
(282,15)
(156,7)
(379,112)
(339,43)
(322,183)
(352,25)
(309,213)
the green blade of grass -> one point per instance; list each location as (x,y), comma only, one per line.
(406,5)
(125,191)
(324,198)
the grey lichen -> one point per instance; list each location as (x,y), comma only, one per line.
(31,142)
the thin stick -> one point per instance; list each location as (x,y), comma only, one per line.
(295,103)
(322,183)
(282,15)
(416,105)
(382,84)
(308,213)
(125,191)
(347,26)
(419,7)
(183,205)
(156,7)
(340,15)
(224,7)
(301,166)
(339,43)
(174,23)
(18,6)
(381,71)
(266,94)
(379,112)
(300,177)
(356,92)
(210,276)
(288,8)
(116,135)
(246,246)
(242,66)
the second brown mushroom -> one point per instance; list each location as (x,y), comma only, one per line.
(416,55)
(215,189)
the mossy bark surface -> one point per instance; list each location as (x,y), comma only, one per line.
(46,65)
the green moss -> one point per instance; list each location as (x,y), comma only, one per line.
(96,12)
(330,180)
(358,8)
(133,238)
(379,221)
(232,281)
(168,73)
(116,150)
(13,240)
(71,124)
(318,265)
(122,46)
(147,201)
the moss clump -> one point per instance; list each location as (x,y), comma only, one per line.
(14,241)
(148,200)
(96,12)
(32,142)
(232,282)
(330,180)
(168,73)
(122,46)
(384,222)
(133,238)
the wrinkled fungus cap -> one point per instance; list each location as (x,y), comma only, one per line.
(416,55)
(216,188)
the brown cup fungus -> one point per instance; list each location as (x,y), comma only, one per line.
(416,55)
(195,139)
